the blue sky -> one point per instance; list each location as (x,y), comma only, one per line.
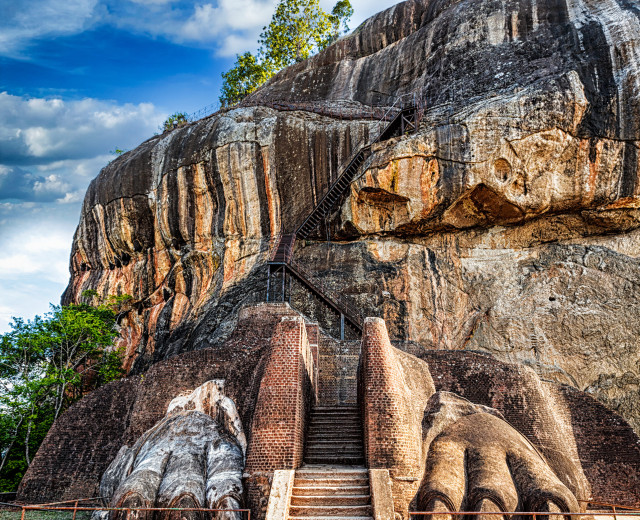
(80,78)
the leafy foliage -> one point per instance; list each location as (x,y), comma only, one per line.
(246,76)
(298,29)
(46,365)
(174,120)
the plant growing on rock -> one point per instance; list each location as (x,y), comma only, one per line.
(298,29)
(174,120)
(45,365)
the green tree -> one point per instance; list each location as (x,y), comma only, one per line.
(247,75)
(177,119)
(340,16)
(45,365)
(298,29)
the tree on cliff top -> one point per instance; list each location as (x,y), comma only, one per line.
(298,28)
(45,365)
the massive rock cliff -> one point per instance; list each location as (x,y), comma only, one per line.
(507,224)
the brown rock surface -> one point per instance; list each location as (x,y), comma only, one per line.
(507,224)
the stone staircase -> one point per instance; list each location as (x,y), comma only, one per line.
(331,493)
(334,436)
(333,483)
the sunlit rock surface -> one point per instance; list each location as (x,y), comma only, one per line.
(507,224)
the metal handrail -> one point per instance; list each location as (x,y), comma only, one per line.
(128,510)
(344,304)
(534,514)
(614,506)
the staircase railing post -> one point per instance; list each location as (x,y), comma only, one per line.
(284,275)
(268,280)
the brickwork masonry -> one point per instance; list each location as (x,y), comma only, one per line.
(287,391)
(392,410)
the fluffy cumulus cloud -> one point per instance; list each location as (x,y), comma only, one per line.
(37,131)
(50,149)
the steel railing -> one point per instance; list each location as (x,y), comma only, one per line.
(533,515)
(131,513)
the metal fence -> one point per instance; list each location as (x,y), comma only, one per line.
(81,510)
(594,510)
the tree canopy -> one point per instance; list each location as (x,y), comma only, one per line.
(298,29)
(45,365)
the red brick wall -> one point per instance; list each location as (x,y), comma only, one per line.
(286,393)
(391,408)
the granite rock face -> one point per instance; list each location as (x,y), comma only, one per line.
(507,224)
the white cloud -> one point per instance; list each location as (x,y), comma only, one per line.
(43,130)
(27,20)
(35,244)
(228,26)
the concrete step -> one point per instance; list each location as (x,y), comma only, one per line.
(331,500)
(318,490)
(333,510)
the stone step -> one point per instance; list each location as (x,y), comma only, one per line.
(332,472)
(337,439)
(317,490)
(330,483)
(331,500)
(329,448)
(352,434)
(333,510)
(333,424)
(337,432)
(330,517)
(335,418)
(333,456)
(343,439)
(333,445)
(336,409)
(336,459)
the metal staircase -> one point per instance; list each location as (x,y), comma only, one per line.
(282,263)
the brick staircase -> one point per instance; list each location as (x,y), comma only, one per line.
(331,493)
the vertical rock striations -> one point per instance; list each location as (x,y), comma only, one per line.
(507,224)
